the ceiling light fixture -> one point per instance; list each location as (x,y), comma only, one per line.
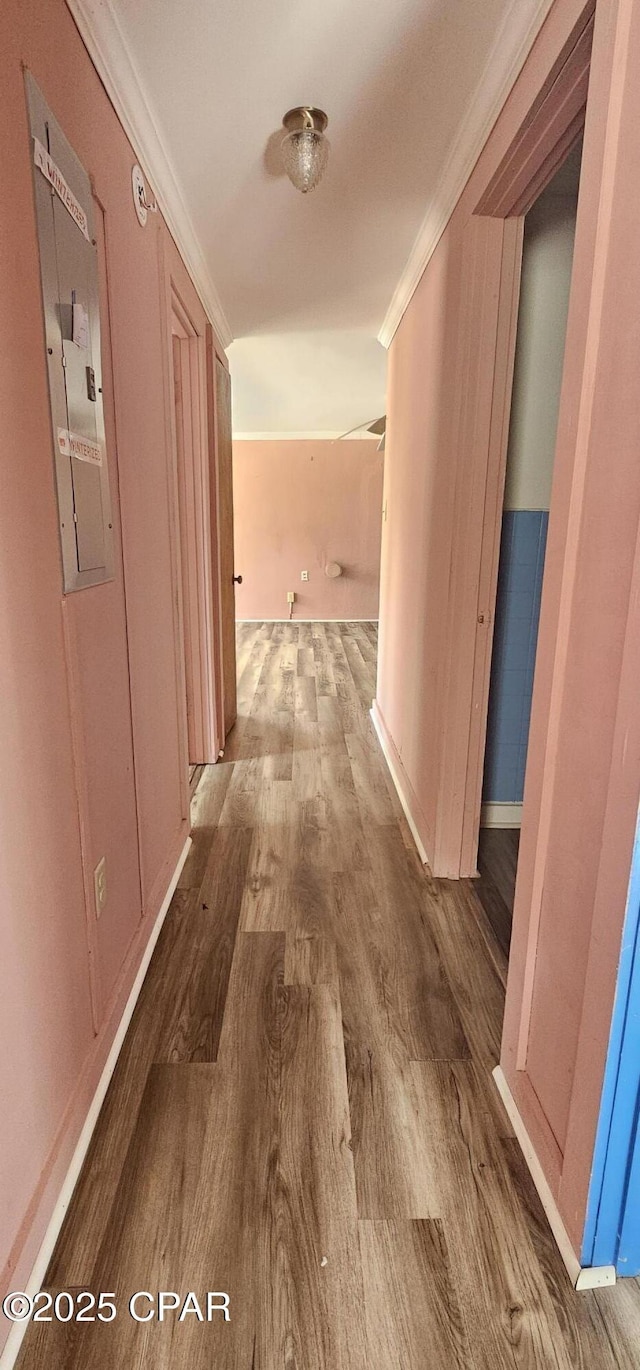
(305,150)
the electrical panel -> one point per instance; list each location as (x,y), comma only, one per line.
(70,296)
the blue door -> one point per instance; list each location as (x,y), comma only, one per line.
(612,1229)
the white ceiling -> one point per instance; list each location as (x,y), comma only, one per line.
(321,383)
(396,78)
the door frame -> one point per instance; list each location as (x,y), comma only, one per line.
(226,556)
(550,124)
(582,610)
(192,517)
(215,354)
(552,128)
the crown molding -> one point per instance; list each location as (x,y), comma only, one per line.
(115,64)
(515,38)
(312,436)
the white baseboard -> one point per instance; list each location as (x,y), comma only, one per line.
(389,758)
(501,816)
(581,1276)
(14,1340)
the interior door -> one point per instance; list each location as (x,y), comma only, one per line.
(227,568)
(184,455)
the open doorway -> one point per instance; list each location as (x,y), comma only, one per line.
(547,257)
(308,528)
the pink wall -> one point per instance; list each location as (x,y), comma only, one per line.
(414,574)
(93,723)
(583,778)
(299,505)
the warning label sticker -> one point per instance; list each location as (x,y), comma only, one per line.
(83,449)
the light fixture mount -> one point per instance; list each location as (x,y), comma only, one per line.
(305,116)
(305,149)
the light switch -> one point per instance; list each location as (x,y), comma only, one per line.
(304,575)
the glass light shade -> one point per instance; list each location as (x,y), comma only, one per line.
(305,154)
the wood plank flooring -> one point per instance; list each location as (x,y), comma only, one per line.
(302,1115)
(495,889)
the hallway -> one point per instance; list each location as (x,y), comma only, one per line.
(302,1114)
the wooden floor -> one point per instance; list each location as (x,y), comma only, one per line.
(495,888)
(302,1115)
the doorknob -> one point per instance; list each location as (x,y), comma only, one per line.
(237,580)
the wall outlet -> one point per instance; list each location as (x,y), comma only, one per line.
(100,885)
(291,596)
(304,575)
